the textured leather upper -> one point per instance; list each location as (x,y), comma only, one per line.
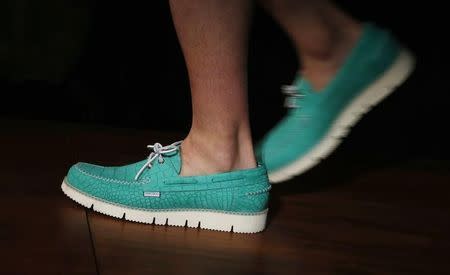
(302,128)
(242,191)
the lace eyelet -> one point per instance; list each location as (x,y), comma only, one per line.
(159,152)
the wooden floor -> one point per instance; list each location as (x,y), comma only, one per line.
(350,215)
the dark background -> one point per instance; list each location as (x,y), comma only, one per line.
(119,64)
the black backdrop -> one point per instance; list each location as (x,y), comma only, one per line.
(119,64)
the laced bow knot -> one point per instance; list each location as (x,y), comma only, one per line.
(158,153)
(292,93)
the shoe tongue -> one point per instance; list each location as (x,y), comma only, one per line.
(171,166)
(304,86)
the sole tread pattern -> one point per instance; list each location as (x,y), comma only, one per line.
(201,219)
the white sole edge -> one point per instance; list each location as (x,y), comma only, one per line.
(194,219)
(373,94)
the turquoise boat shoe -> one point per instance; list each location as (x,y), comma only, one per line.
(153,191)
(316,121)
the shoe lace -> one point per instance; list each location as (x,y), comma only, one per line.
(292,94)
(158,153)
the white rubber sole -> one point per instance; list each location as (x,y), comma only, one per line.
(374,94)
(189,218)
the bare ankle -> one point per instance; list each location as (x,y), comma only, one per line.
(203,155)
(320,68)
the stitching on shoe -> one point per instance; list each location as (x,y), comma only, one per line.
(259,191)
(109,179)
(147,180)
(167,210)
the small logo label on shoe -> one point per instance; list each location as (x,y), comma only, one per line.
(152,194)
